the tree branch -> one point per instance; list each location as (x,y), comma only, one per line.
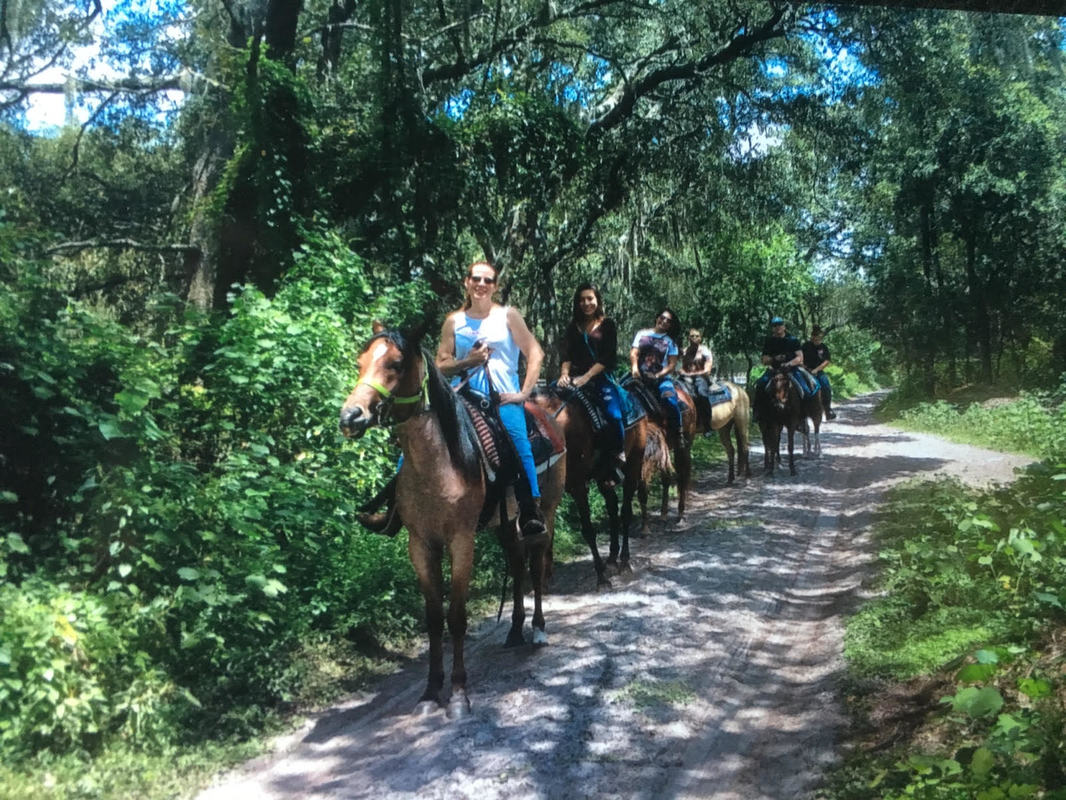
(165,83)
(628,95)
(120,244)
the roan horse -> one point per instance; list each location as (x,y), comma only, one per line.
(643,448)
(732,416)
(440,492)
(781,406)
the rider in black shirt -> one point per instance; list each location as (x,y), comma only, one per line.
(816,359)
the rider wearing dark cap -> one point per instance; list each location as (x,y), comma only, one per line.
(778,350)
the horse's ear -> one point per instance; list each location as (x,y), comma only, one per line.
(417,329)
(377,327)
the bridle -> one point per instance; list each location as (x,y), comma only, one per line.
(388,399)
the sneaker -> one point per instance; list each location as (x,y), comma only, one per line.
(830,415)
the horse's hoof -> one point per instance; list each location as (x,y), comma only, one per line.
(514,639)
(427,708)
(540,638)
(458,706)
(626,567)
(603,582)
(612,561)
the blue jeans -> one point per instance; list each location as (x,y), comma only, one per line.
(668,392)
(823,381)
(613,403)
(513,417)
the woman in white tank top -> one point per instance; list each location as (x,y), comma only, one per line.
(482,341)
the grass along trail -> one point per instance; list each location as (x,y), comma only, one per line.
(710,672)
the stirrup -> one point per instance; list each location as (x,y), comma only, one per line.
(529,527)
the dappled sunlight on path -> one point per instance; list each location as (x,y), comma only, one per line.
(710,672)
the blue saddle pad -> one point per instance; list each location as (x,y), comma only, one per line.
(632,411)
(720,395)
(805,390)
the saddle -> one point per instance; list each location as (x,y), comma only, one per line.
(591,404)
(716,394)
(806,382)
(648,399)
(497,453)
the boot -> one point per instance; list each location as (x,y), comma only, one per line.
(387,522)
(829,414)
(531,528)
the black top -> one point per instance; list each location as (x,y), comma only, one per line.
(780,348)
(603,342)
(814,354)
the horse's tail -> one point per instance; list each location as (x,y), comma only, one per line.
(656,454)
(741,414)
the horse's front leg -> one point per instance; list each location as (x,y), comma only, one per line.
(515,555)
(610,502)
(426,560)
(684,477)
(791,450)
(538,563)
(581,498)
(462,552)
(665,507)
(642,497)
(628,488)
(731,453)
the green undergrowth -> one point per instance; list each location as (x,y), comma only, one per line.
(957,666)
(1033,423)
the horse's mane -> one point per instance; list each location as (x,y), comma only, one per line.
(455,423)
(458,430)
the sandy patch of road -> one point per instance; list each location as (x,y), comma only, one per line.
(710,672)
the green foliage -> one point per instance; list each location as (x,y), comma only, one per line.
(181,521)
(972,586)
(1033,423)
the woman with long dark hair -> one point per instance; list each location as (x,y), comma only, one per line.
(652,359)
(590,355)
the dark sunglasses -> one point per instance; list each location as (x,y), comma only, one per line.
(667,317)
(481,279)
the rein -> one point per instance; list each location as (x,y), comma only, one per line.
(389,399)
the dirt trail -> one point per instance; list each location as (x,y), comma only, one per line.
(710,672)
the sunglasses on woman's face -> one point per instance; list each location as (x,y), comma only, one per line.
(481,279)
(665,317)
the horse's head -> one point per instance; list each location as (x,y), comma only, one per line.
(388,376)
(780,384)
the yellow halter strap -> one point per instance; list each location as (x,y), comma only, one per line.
(403,400)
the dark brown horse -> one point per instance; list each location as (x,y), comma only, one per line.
(440,492)
(782,406)
(733,416)
(581,470)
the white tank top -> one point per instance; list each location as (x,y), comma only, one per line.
(503,358)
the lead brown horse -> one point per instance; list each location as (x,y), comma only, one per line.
(731,417)
(782,406)
(440,492)
(641,454)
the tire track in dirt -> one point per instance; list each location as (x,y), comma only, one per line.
(709,672)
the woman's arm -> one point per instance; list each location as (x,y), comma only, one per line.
(531,349)
(447,363)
